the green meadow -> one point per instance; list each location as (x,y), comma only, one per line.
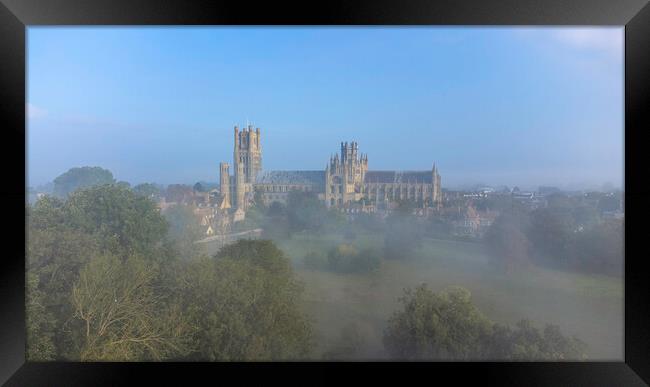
(587,306)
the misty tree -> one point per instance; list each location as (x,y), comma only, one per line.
(368,221)
(552,233)
(148,190)
(184,229)
(610,202)
(258,201)
(177,192)
(403,235)
(275,224)
(525,342)
(345,258)
(198,187)
(315,260)
(600,248)
(76,178)
(245,302)
(585,216)
(123,184)
(349,345)
(276,209)
(305,211)
(448,326)
(435,326)
(507,243)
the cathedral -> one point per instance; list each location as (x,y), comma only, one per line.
(345,182)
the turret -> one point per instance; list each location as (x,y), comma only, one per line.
(224,182)
(239,186)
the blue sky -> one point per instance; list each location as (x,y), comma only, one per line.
(514,106)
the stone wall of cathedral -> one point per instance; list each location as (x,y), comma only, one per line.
(346,180)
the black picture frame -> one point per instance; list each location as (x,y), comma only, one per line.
(17,15)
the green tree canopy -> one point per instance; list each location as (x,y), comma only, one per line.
(440,326)
(245,302)
(64,236)
(447,326)
(148,190)
(125,220)
(76,178)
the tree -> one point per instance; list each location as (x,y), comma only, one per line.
(610,202)
(371,222)
(198,187)
(123,184)
(350,343)
(525,342)
(585,216)
(305,211)
(276,224)
(184,228)
(40,324)
(126,222)
(552,232)
(339,258)
(315,260)
(403,236)
(507,243)
(245,303)
(367,261)
(148,190)
(177,192)
(447,326)
(121,317)
(600,248)
(444,326)
(46,213)
(64,235)
(345,258)
(76,178)
(54,257)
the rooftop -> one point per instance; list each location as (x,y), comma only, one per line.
(291,177)
(399,177)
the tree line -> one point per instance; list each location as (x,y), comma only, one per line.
(110,279)
(567,234)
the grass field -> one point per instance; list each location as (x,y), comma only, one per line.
(588,306)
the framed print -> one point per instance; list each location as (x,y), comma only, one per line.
(257,189)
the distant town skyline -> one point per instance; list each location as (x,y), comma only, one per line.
(495,106)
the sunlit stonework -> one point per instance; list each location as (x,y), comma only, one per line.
(345,183)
